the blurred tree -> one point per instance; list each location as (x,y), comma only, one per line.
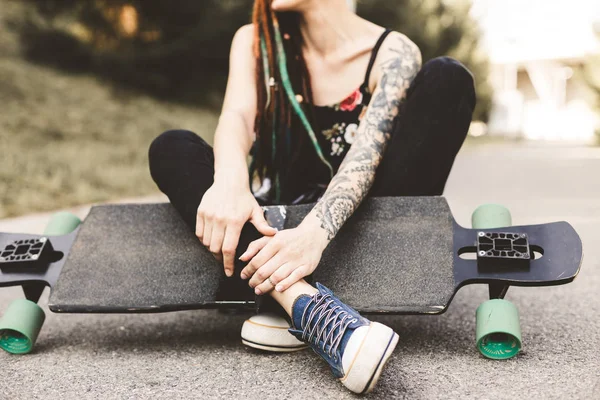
(439,28)
(180,48)
(177,49)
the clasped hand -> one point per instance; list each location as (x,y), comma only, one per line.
(279,261)
(275,261)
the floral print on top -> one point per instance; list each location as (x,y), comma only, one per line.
(338,124)
(335,127)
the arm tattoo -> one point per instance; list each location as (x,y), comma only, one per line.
(357,172)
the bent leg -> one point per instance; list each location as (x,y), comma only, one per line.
(182,165)
(429,132)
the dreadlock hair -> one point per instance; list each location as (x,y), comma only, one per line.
(283,95)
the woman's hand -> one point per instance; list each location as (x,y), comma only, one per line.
(224,210)
(279,261)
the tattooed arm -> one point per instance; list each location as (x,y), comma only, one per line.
(401,60)
(293,254)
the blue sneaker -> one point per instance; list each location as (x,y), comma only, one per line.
(355,348)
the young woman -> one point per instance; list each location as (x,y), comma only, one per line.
(332,108)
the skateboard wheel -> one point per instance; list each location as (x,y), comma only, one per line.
(498,329)
(20,326)
(62,223)
(490,216)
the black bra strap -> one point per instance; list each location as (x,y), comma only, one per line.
(374,56)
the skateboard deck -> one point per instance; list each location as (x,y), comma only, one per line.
(404,255)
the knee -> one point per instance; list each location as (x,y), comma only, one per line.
(171,147)
(449,69)
(450,75)
(170,142)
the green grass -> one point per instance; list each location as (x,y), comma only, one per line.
(69,139)
(72,139)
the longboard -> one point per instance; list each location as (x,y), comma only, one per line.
(395,255)
(402,255)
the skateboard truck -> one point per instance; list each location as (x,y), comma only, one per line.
(26,254)
(503,250)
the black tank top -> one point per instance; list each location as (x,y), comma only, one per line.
(337,124)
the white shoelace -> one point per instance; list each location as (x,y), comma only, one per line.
(335,317)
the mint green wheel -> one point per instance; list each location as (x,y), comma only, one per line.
(498,333)
(498,329)
(20,326)
(23,320)
(62,223)
(489,216)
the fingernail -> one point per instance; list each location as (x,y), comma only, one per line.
(242,256)
(243,276)
(279,288)
(257,291)
(228,273)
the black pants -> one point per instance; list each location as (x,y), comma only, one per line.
(425,140)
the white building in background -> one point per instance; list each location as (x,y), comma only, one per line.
(536,47)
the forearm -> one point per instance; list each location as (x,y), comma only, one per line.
(232,144)
(356,175)
(349,186)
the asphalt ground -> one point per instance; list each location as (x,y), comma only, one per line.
(198,354)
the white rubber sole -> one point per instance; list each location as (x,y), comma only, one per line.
(270,338)
(271,348)
(369,361)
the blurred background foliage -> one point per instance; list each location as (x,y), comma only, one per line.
(179,49)
(87,84)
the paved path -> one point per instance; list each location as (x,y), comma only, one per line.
(35,223)
(198,354)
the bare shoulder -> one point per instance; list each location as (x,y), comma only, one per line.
(399,45)
(244,37)
(400,53)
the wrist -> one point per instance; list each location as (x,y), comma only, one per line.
(312,225)
(232,177)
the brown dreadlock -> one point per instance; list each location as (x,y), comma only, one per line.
(282,77)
